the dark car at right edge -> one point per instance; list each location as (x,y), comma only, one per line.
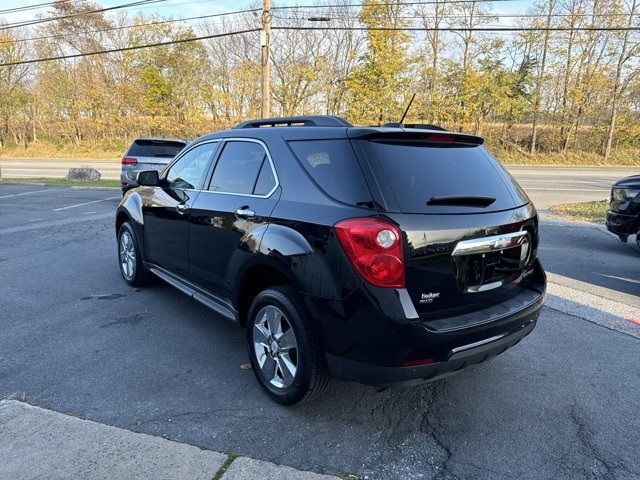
(383,255)
(623,216)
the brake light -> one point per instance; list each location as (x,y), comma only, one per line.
(440,138)
(129,161)
(374,248)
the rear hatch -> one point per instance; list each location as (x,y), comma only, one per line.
(153,154)
(471,232)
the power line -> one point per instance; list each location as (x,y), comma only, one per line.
(124,27)
(35,6)
(77,14)
(125,49)
(390,4)
(467,29)
(458,15)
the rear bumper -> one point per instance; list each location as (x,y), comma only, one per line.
(458,359)
(622,224)
(378,350)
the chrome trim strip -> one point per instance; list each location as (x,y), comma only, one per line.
(488,244)
(222,142)
(484,287)
(184,286)
(476,344)
(273,168)
(407,304)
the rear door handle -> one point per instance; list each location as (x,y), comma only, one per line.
(245,212)
(182,208)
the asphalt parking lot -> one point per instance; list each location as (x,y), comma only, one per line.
(75,338)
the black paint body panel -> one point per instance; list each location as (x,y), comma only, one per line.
(292,232)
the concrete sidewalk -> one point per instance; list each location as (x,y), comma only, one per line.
(40,443)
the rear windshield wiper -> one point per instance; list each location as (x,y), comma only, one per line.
(462,201)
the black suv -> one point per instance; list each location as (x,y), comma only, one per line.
(383,255)
(623,216)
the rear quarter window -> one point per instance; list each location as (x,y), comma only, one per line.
(333,166)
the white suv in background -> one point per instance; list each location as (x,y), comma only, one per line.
(147,154)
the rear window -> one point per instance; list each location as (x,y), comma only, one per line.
(334,167)
(155,148)
(418,173)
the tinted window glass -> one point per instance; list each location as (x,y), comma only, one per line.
(155,148)
(237,168)
(189,170)
(266,181)
(418,173)
(334,167)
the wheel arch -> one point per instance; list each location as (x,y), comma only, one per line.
(130,210)
(265,274)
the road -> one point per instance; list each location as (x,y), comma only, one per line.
(562,404)
(55,168)
(546,186)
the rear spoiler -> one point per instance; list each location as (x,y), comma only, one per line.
(414,135)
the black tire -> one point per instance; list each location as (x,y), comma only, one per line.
(140,275)
(311,378)
(638,239)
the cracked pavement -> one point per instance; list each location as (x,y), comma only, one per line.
(562,404)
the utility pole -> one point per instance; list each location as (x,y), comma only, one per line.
(265,33)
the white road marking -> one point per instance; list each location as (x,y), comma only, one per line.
(624,279)
(585,190)
(26,193)
(596,309)
(83,204)
(66,221)
(88,213)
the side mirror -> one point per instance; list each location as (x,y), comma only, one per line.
(148,178)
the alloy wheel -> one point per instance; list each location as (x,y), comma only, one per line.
(275,346)
(127,255)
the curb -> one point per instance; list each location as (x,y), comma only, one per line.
(36,442)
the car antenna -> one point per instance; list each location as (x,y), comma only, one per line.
(406,110)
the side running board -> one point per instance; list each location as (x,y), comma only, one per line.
(187,288)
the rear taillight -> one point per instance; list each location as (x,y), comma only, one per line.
(129,161)
(374,248)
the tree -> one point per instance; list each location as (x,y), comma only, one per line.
(629,47)
(548,8)
(14,88)
(375,86)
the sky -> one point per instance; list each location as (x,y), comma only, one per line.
(191,8)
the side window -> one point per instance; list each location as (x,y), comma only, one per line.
(189,170)
(240,168)
(266,180)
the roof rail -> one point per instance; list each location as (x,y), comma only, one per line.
(305,121)
(424,126)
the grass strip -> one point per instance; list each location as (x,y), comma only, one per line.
(225,466)
(583,211)
(62,182)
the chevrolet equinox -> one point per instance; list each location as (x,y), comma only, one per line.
(384,255)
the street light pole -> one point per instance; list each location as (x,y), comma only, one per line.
(265,33)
